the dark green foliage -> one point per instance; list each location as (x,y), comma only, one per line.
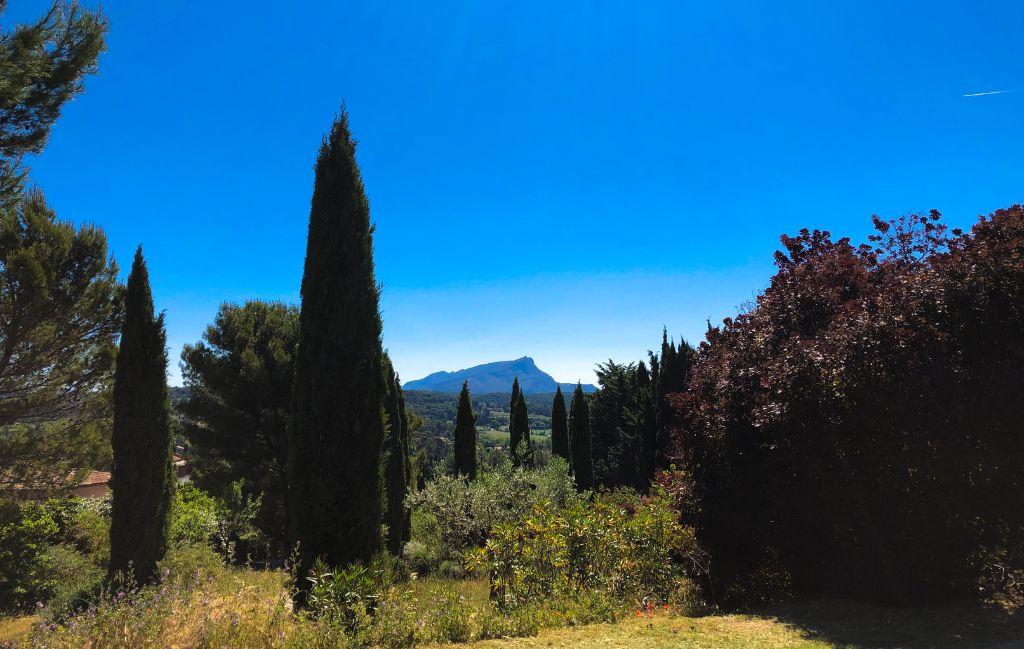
(643,421)
(559,426)
(670,374)
(26,530)
(43,64)
(579,440)
(397,465)
(239,380)
(465,436)
(614,442)
(142,479)
(520,447)
(337,423)
(60,306)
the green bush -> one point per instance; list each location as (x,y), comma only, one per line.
(90,530)
(631,548)
(451,516)
(193,518)
(26,531)
(74,580)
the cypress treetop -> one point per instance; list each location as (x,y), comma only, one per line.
(336,431)
(465,436)
(579,440)
(559,426)
(142,477)
(519,443)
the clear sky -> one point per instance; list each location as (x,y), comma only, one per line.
(552,179)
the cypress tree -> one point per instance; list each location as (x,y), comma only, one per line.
(559,426)
(465,436)
(579,440)
(520,445)
(513,432)
(672,376)
(142,477)
(336,431)
(397,468)
(646,428)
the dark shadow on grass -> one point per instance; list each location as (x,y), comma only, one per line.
(860,626)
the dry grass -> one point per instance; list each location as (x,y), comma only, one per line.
(810,625)
(718,632)
(241,608)
(12,628)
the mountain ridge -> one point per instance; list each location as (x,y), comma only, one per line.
(496,376)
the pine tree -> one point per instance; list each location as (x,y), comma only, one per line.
(519,443)
(336,430)
(559,426)
(579,440)
(397,468)
(465,436)
(239,380)
(142,477)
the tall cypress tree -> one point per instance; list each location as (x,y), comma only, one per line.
(142,477)
(644,423)
(397,468)
(520,445)
(672,376)
(513,432)
(579,440)
(465,436)
(559,426)
(336,430)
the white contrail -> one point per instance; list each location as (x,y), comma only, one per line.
(990,92)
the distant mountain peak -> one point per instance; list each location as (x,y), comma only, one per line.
(494,377)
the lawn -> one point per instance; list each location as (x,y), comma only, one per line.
(810,625)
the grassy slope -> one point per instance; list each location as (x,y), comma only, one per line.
(809,625)
(245,608)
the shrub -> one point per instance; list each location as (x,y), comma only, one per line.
(26,530)
(451,516)
(627,547)
(861,424)
(74,580)
(193,518)
(420,558)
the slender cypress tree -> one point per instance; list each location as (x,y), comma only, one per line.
(513,432)
(336,431)
(520,445)
(646,431)
(579,440)
(396,466)
(465,436)
(672,376)
(142,477)
(559,426)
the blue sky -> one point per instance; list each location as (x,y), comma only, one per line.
(556,180)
